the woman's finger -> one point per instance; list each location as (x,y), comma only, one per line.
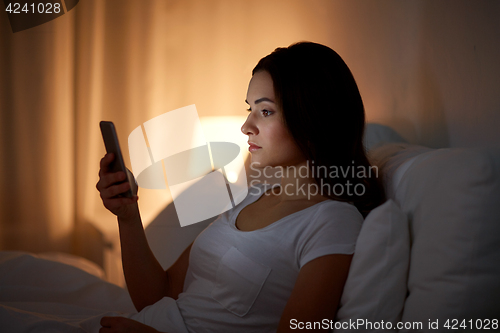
(114,203)
(114,190)
(106,161)
(107,180)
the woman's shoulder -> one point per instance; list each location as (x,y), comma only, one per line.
(335,215)
(333,229)
(336,208)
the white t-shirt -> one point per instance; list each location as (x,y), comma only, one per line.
(240,281)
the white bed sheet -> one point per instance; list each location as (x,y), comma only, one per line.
(39,295)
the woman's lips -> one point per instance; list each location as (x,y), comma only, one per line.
(253,147)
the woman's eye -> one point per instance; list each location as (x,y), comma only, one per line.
(267,113)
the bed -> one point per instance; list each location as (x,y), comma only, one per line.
(426,260)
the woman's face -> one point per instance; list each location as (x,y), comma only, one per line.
(270,142)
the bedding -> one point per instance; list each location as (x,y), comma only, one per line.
(41,295)
(375,289)
(450,197)
(78,262)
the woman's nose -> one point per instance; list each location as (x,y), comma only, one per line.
(248,126)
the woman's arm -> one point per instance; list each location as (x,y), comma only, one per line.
(147,282)
(317,291)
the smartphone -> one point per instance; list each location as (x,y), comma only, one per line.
(112,146)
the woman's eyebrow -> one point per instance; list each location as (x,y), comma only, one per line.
(263,99)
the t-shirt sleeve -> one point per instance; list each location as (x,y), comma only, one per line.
(333,229)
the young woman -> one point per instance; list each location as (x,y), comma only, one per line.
(281,257)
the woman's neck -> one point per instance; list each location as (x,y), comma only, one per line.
(297,183)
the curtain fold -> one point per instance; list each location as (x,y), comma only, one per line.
(37,137)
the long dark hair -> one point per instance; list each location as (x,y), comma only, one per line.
(323,110)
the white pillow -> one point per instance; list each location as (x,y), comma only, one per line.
(79,262)
(392,161)
(375,289)
(452,198)
(377,135)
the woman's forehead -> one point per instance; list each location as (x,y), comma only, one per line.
(261,88)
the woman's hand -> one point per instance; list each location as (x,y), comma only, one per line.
(123,325)
(122,207)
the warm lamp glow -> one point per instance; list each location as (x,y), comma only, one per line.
(232,176)
(227,129)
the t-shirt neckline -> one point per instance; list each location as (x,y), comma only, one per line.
(234,216)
